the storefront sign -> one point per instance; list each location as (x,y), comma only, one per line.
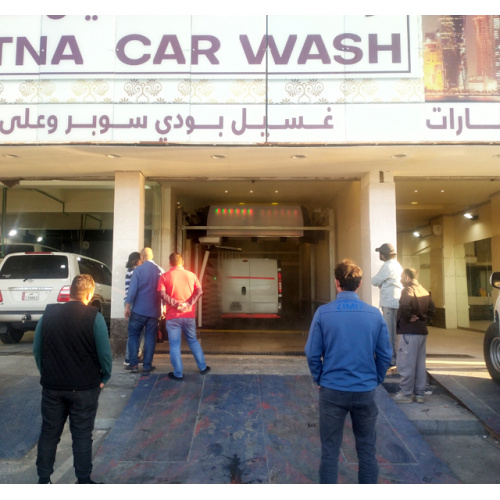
(246,80)
(59,46)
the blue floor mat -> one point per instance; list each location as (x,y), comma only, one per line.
(21,416)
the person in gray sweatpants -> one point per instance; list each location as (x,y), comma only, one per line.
(416,308)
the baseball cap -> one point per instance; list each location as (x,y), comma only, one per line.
(386,249)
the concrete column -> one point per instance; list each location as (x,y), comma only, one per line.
(453,279)
(168,226)
(128,236)
(460,308)
(378,225)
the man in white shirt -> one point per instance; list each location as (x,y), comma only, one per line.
(388,279)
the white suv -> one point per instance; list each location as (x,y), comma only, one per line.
(31,280)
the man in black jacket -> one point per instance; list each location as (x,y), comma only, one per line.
(416,308)
(73,354)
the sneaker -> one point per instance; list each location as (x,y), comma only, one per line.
(206,370)
(173,377)
(402,399)
(419,398)
(126,362)
(132,369)
(147,372)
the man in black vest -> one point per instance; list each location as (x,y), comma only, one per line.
(73,354)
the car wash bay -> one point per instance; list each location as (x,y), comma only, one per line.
(258,265)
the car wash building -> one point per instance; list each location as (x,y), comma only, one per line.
(279,143)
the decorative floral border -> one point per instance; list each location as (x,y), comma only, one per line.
(152,91)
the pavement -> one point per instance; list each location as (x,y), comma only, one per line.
(253,419)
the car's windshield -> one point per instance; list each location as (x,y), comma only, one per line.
(36,266)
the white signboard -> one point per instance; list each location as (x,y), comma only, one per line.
(224,80)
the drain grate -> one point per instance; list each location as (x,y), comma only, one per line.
(252,353)
(459,356)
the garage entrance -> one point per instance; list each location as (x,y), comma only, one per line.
(263,267)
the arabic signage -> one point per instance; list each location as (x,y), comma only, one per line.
(443,122)
(189,79)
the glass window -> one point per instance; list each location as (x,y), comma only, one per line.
(35,267)
(98,271)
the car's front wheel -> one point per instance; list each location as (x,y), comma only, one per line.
(11,336)
(491,348)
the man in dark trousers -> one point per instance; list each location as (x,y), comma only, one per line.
(348,353)
(73,354)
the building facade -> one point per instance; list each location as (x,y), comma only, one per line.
(119,131)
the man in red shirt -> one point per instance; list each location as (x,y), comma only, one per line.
(179,290)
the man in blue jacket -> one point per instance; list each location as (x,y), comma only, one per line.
(142,310)
(348,352)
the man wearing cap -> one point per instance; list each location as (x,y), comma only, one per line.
(388,279)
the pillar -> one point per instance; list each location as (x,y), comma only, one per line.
(378,225)
(168,226)
(128,236)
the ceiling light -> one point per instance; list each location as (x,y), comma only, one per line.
(414,202)
(219,157)
(113,156)
(399,156)
(469,216)
(12,232)
(298,157)
(11,156)
(417,234)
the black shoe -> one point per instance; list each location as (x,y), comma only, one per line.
(87,481)
(44,480)
(173,377)
(147,372)
(206,370)
(132,369)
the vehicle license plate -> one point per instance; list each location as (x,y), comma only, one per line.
(30,295)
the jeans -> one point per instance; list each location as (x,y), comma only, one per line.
(333,409)
(136,323)
(141,348)
(390,316)
(175,327)
(81,407)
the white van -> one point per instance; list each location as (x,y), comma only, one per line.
(250,288)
